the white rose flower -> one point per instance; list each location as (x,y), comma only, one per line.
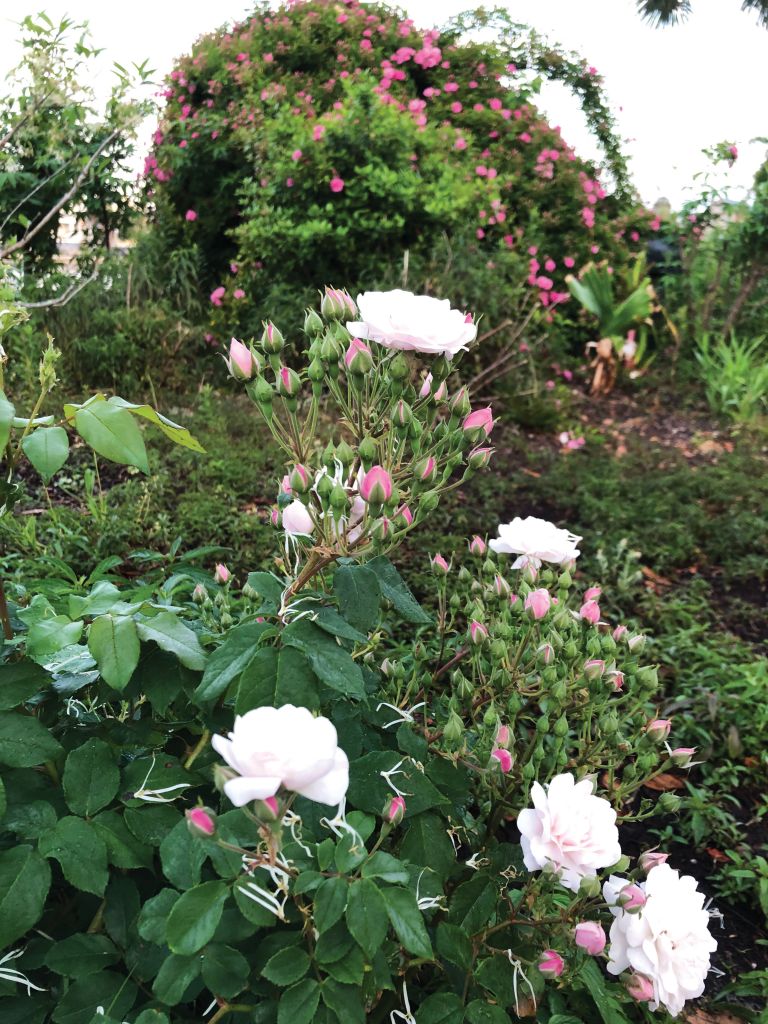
(535,541)
(668,941)
(569,830)
(286,746)
(413,323)
(296,519)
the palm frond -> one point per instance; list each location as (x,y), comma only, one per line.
(668,12)
(759,6)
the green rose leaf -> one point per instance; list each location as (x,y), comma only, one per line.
(170,634)
(408,922)
(91,778)
(19,681)
(81,954)
(25,879)
(227,662)
(194,917)
(178,434)
(299,1003)
(453,945)
(113,640)
(7,412)
(24,742)
(387,868)
(394,589)
(358,592)
(330,902)
(441,1008)
(182,856)
(123,849)
(366,915)
(51,634)
(111,432)
(330,662)
(345,1001)
(225,970)
(479,1012)
(153,917)
(287,966)
(175,976)
(81,851)
(113,991)
(47,448)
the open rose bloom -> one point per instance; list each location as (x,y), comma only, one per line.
(535,541)
(668,941)
(568,830)
(412,323)
(288,747)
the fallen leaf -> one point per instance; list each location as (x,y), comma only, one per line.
(711,1017)
(718,855)
(531,472)
(653,577)
(665,782)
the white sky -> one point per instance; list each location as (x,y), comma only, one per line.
(674,91)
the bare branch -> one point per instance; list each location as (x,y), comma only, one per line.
(61,300)
(68,195)
(23,120)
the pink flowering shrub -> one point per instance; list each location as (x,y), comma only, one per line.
(339,138)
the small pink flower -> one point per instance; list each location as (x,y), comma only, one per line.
(218,294)
(538,602)
(631,899)
(439,565)
(640,988)
(592,593)
(201,821)
(617,678)
(658,730)
(477,546)
(590,612)
(395,811)
(480,419)
(238,293)
(376,487)
(190,215)
(590,936)
(478,632)
(222,573)
(651,859)
(337,184)
(296,155)
(503,757)
(551,964)
(682,756)
(503,736)
(619,633)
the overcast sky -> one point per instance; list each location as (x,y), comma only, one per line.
(674,91)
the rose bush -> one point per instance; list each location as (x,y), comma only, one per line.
(356,856)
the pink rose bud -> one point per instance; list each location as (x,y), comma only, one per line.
(267,810)
(441,395)
(639,987)
(241,363)
(299,479)
(617,678)
(460,403)
(594,668)
(376,487)
(631,899)
(503,757)
(651,859)
(478,632)
(500,586)
(590,936)
(658,729)
(590,612)
(537,602)
(682,756)
(439,565)
(426,386)
(477,546)
(386,668)
(479,422)
(402,415)
(288,382)
(546,654)
(426,470)
(199,594)
(190,215)
(551,964)
(593,593)
(636,643)
(285,485)
(619,633)
(272,339)
(394,810)
(337,184)
(382,529)
(405,513)
(358,358)
(222,573)
(297,520)
(274,517)
(201,821)
(503,736)
(479,457)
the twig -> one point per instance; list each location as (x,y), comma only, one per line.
(61,300)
